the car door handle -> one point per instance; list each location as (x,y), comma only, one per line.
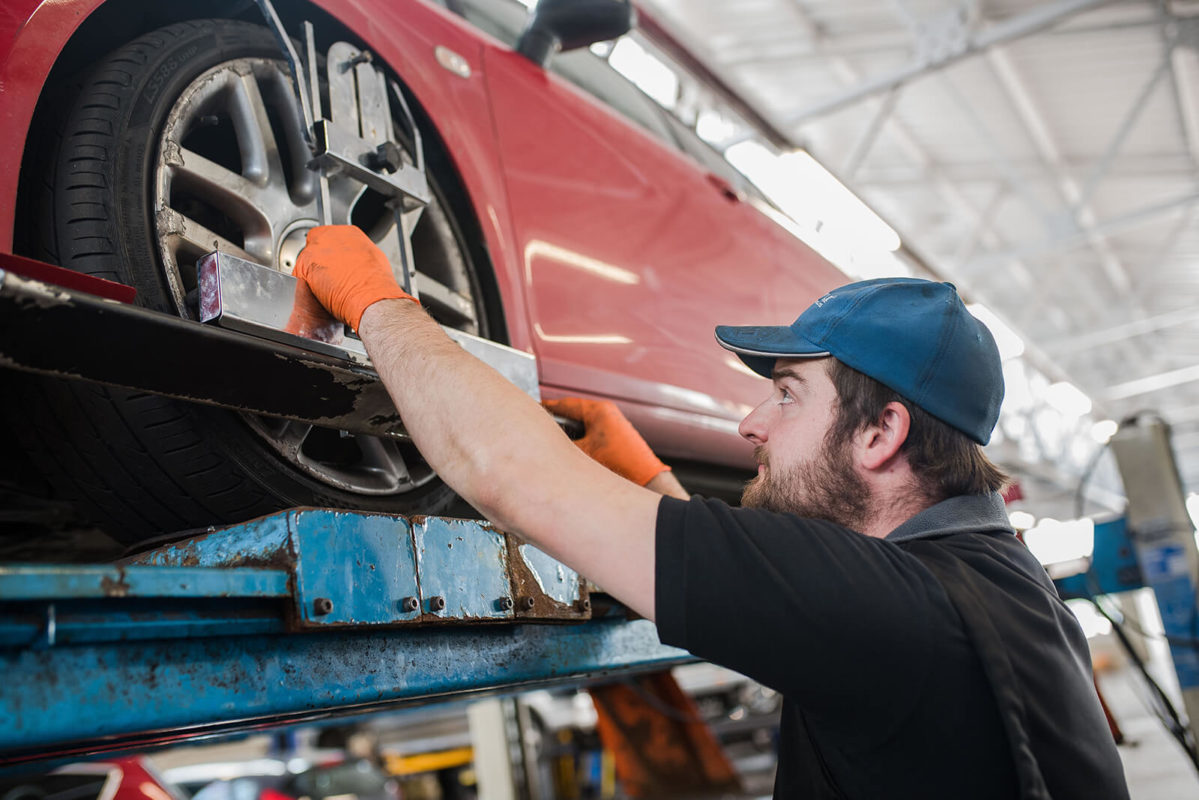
(724,187)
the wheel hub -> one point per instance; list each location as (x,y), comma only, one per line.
(233,176)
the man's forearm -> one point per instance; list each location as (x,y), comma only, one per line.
(666,483)
(499,449)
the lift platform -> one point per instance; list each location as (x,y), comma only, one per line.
(298,616)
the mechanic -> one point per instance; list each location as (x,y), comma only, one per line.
(871,575)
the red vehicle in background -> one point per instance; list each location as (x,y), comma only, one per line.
(128,778)
(571,218)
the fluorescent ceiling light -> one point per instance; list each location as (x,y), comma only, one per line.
(1007,340)
(712,126)
(1022,520)
(1091,621)
(1103,430)
(813,197)
(646,71)
(1054,542)
(1068,399)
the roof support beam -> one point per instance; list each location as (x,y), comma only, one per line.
(1105,227)
(1130,120)
(1152,383)
(1079,212)
(862,147)
(1184,80)
(1117,333)
(1015,28)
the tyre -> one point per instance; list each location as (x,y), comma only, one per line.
(181,142)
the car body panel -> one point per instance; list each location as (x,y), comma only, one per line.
(615,254)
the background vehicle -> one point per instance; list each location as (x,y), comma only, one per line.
(601,236)
(130,778)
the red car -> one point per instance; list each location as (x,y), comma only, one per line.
(571,217)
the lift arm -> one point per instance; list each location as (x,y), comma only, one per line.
(297,616)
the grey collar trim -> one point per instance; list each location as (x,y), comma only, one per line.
(966,513)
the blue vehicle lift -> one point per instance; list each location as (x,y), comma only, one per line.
(298,616)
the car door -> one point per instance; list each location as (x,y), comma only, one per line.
(632,252)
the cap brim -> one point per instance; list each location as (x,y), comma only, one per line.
(760,346)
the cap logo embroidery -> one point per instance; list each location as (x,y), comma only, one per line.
(820,303)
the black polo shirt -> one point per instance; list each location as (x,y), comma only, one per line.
(884,691)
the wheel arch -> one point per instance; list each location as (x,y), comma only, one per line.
(111,24)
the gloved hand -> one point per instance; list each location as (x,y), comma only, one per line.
(610,438)
(346,272)
(312,320)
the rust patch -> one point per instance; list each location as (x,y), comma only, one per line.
(529,599)
(117,588)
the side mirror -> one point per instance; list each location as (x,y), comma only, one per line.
(570,24)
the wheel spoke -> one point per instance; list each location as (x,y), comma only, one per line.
(245,200)
(291,436)
(303,180)
(384,458)
(185,237)
(436,295)
(260,162)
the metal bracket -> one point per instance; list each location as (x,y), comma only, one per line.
(250,298)
(356,141)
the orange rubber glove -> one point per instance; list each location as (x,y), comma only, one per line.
(312,320)
(610,438)
(346,272)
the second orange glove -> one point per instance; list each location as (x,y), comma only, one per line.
(610,438)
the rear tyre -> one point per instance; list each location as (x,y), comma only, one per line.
(179,143)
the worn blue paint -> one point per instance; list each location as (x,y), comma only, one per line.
(109,696)
(555,579)
(363,563)
(466,565)
(263,540)
(222,631)
(367,565)
(30,582)
(42,624)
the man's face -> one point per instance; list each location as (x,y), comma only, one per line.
(800,471)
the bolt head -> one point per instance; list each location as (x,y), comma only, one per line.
(436,603)
(528,602)
(505,603)
(322,606)
(409,604)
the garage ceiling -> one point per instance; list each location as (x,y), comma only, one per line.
(1043,156)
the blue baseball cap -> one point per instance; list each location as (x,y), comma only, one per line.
(913,336)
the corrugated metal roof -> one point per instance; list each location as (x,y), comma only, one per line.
(1054,176)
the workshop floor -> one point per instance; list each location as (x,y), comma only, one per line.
(1155,765)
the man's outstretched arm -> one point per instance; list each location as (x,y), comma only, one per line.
(486,438)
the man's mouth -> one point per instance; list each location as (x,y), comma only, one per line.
(762,459)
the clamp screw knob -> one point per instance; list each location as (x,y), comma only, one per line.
(387,157)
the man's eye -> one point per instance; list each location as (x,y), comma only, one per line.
(785,396)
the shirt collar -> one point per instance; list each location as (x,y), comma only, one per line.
(978,513)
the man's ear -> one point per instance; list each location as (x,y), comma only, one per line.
(879,442)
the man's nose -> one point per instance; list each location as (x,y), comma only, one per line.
(753,427)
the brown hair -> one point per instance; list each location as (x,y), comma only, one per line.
(944,460)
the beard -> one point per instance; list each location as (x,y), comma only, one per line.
(824,487)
